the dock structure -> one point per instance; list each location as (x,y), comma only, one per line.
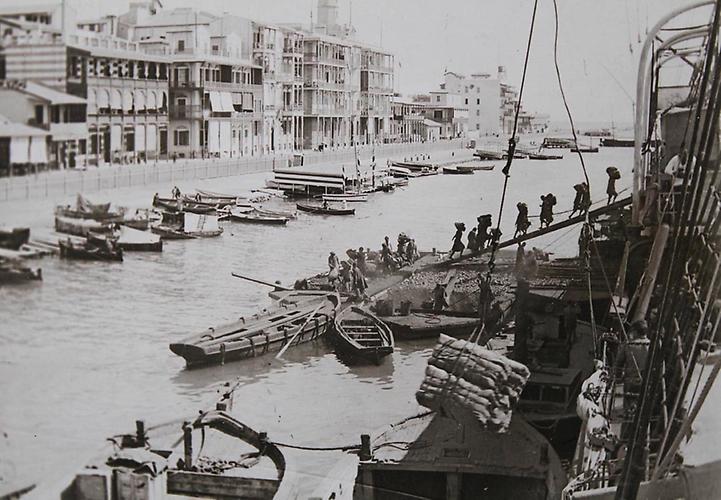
(546,230)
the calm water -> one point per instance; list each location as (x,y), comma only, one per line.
(84,353)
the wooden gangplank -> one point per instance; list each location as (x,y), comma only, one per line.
(550,229)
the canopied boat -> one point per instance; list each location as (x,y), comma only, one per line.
(260,334)
(183,226)
(362,335)
(14,238)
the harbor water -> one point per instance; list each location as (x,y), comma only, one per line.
(84,353)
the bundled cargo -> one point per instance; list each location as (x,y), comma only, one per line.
(470,376)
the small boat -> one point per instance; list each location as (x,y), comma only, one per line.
(257,217)
(456,171)
(230,198)
(90,251)
(612,142)
(12,271)
(428,324)
(485,154)
(261,333)
(544,156)
(414,166)
(361,334)
(14,238)
(184,226)
(517,155)
(584,149)
(321,210)
(129,240)
(347,197)
(400,172)
(181,205)
(557,143)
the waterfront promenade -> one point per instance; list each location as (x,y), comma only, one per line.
(57,184)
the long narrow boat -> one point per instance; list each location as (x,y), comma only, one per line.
(347,197)
(584,149)
(361,334)
(181,205)
(319,209)
(16,272)
(259,334)
(485,154)
(257,217)
(80,227)
(456,171)
(544,156)
(419,325)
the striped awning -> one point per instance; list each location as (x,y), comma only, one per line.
(290,179)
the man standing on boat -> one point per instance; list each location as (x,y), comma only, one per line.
(472,244)
(333,269)
(359,283)
(613,176)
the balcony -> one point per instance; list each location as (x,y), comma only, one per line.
(185,84)
(187,112)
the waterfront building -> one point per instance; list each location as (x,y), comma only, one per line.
(450,111)
(491,104)
(23,149)
(60,115)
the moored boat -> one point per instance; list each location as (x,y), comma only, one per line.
(360,334)
(260,334)
(485,154)
(14,238)
(12,271)
(584,149)
(181,205)
(257,217)
(183,226)
(90,251)
(457,171)
(80,227)
(417,325)
(544,156)
(347,197)
(321,210)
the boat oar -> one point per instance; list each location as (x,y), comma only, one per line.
(261,282)
(286,346)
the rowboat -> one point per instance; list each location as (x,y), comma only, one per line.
(361,334)
(414,166)
(171,233)
(400,172)
(208,455)
(259,334)
(456,171)
(183,226)
(479,167)
(543,156)
(90,251)
(212,194)
(129,240)
(319,209)
(181,205)
(347,197)
(257,217)
(584,149)
(419,324)
(14,238)
(15,272)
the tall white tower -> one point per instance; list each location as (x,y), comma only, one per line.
(328,14)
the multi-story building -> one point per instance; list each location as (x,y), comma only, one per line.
(376,88)
(407,123)
(215,91)
(482,95)
(449,110)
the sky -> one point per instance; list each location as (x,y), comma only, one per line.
(599,42)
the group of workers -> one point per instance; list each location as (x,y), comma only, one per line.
(479,237)
(350,275)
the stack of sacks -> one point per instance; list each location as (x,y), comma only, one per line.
(470,376)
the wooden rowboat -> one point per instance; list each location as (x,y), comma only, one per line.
(347,197)
(69,250)
(259,334)
(361,334)
(418,325)
(457,171)
(181,205)
(319,209)
(257,217)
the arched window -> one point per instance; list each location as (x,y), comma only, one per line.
(164,102)
(127,101)
(116,100)
(139,99)
(151,103)
(102,100)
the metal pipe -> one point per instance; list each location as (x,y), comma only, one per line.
(641,111)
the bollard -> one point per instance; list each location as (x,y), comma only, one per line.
(188,445)
(365,449)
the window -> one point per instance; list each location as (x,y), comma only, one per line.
(182,137)
(478,126)
(478,112)
(181,45)
(38,114)
(466,100)
(478,101)
(438,98)
(215,48)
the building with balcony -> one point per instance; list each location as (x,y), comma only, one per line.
(376,91)
(215,96)
(23,148)
(407,120)
(481,93)
(448,110)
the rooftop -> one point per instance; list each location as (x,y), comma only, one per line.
(45,93)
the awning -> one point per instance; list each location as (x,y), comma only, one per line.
(127,100)
(139,100)
(116,99)
(38,150)
(151,102)
(19,149)
(216,104)
(214,136)
(140,138)
(247,101)
(152,143)
(226,101)
(116,137)
(237,98)
(102,99)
